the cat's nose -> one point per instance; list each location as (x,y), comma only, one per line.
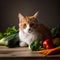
(29,29)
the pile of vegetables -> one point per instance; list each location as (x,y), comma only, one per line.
(9,38)
(47,43)
(55,36)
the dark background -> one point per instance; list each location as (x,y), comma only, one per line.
(48,12)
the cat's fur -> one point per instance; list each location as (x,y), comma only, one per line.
(30,29)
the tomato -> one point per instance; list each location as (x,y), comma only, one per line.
(47,44)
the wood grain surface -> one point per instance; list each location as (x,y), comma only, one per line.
(18,52)
(21,52)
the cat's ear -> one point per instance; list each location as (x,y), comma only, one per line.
(36,14)
(20,16)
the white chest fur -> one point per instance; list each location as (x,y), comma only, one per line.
(27,38)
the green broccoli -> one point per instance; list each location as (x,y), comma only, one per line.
(36,45)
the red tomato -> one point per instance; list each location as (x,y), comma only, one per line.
(47,44)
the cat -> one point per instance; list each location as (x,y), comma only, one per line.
(30,30)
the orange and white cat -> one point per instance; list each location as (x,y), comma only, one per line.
(30,29)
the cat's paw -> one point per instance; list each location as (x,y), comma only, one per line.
(23,44)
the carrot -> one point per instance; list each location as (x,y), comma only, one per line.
(50,51)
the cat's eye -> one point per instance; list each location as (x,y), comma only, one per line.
(24,25)
(32,24)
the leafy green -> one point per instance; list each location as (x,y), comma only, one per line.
(33,46)
(1,35)
(14,42)
(9,38)
(55,32)
(36,45)
(4,40)
(10,30)
(10,41)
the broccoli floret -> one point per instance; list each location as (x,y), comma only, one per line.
(36,45)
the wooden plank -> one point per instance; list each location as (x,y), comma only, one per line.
(15,52)
(21,52)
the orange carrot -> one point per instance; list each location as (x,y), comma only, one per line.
(50,51)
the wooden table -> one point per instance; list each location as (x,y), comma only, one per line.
(22,53)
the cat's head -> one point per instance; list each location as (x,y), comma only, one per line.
(28,24)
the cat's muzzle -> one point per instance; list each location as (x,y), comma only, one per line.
(30,30)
